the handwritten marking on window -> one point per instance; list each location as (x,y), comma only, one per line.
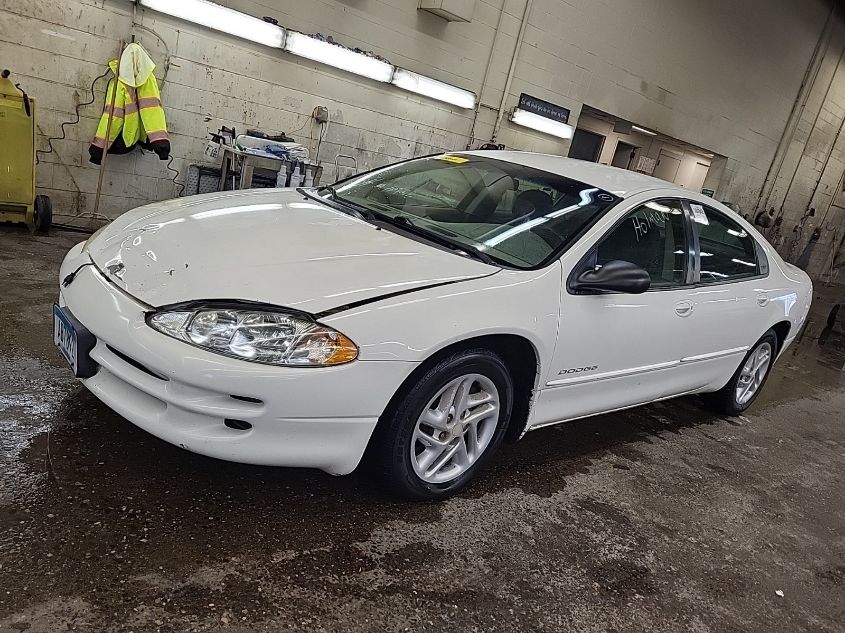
(650,219)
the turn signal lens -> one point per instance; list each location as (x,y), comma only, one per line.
(272,338)
(344,351)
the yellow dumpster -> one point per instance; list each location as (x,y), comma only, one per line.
(18,202)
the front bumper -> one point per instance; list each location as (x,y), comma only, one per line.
(309,417)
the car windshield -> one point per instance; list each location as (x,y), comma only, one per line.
(513,214)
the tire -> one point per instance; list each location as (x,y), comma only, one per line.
(403,430)
(43,216)
(727,400)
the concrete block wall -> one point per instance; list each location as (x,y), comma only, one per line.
(806,181)
(722,75)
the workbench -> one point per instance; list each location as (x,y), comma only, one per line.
(248,163)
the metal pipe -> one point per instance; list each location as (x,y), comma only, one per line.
(812,128)
(794,118)
(824,168)
(512,68)
(486,74)
(134,19)
(836,192)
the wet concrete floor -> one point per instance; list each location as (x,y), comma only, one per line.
(663,518)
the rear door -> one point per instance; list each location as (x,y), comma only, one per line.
(730,302)
(617,350)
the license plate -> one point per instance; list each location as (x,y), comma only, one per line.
(74,342)
(64,336)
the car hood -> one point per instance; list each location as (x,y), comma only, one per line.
(272,246)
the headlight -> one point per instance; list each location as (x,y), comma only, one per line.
(261,336)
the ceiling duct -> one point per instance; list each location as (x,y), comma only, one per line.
(451,10)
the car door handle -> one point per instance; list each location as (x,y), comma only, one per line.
(683,308)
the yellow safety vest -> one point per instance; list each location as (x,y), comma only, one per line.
(137,115)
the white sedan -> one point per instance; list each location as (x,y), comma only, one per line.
(422,313)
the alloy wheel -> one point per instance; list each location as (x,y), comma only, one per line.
(753,373)
(455,428)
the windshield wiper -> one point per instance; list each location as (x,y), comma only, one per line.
(352,209)
(407,224)
(332,191)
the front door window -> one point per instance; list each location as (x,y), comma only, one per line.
(653,237)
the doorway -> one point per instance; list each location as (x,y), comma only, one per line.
(623,155)
(667,167)
(586,145)
(699,174)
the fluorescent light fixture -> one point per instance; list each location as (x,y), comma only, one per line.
(433,89)
(642,130)
(541,123)
(337,56)
(221,18)
(248,27)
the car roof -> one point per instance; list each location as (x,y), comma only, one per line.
(621,182)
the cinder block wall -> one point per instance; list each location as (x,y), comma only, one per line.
(721,74)
(806,184)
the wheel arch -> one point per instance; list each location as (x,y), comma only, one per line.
(521,357)
(781,330)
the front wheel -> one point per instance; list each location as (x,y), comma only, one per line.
(446,426)
(747,382)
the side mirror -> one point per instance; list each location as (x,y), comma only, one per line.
(614,276)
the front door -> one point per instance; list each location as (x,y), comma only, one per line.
(618,350)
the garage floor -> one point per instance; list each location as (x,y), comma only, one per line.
(662,518)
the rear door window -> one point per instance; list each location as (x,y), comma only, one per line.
(727,251)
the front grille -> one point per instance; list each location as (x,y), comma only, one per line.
(131,361)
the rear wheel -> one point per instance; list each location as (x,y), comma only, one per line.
(748,380)
(43,214)
(446,427)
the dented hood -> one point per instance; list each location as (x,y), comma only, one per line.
(273,246)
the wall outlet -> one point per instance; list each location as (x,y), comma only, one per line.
(321,114)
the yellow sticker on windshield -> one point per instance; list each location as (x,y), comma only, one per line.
(456,160)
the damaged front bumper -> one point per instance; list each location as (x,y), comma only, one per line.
(218,406)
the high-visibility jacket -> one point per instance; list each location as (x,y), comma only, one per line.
(138,116)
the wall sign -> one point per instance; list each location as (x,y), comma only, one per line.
(543,108)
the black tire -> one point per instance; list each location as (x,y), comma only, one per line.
(390,451)
(725,400)
(43,216)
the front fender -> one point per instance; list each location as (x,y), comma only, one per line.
(414,326)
